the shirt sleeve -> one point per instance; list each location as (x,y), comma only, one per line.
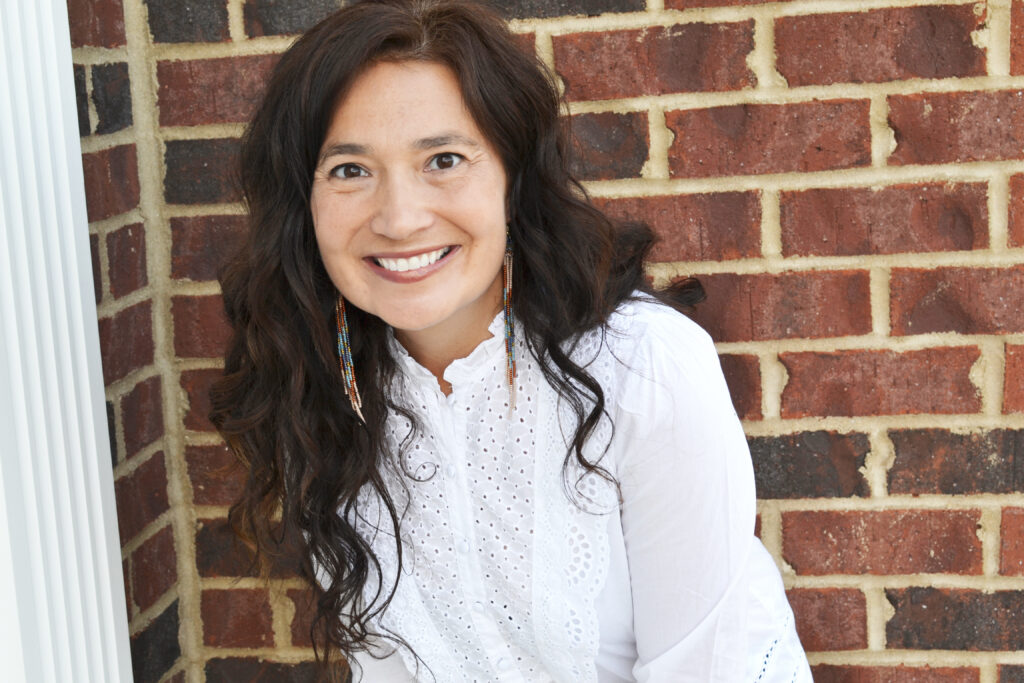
(688,507)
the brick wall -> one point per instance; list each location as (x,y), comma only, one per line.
(847,178)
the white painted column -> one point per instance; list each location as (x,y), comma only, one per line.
(62,605)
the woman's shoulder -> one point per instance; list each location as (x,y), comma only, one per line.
(642,325)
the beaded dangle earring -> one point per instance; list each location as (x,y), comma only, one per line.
(510,325)
(345,359)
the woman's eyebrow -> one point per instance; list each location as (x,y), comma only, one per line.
(343,148)
(443,140)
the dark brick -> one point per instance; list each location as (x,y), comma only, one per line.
(126,341)
(882,542)
(1017,57)
(936,128)
(219,552)
(305,610)
(655,60)
(881,45)
(609,145)
(938,461)
(203,91)
(201,245)
(154,568)
(955,619)
(155,649)
(1017,210)
(1013,383)
(890,220)
(829,673)
(196,384)
(1009,673)
(743,375)
(525,9)
(112,96)
(816,613)
(111,181)
(237,617)
(142,415)
(785,305)
(97,279)
(935,381)
(252,670)
(747,139)
(695,227)
(965,300)
(98,23)
(200,171)
(1011,536)
(82,101)
(129,602)
(810,465)
(200,327)
(280,17)
(195,21)
(112,433)
(141,497)
(126,259)
(216,475)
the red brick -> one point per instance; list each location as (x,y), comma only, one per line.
(201,245)
(527,42)
(216,475)
(966,300)
(747,139)
(111,181)
(98,23)
(891,220)
(818,621)
(955,619)
(126,341)
(1017,39)
(1011,534)
(305,609)
(203,91)
(219,552)
(196,384)
(869,382)
(126,256)
(608,145)
(141,497)
(655,60)
(940,461)
(154,568)
(817,464)
(1013,387)
(695,227)
(786,305)
(842,673)
(237,617)
(883,45)
(258,670)
(200,327)
(1017,211)
(882,542)
(126,573)
(142,415)
(743,375)
(936,128)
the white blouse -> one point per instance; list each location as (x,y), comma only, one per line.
(507,578)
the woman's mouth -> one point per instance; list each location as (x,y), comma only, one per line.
(411,268)
(401,265)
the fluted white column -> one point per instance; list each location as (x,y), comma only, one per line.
(62,606)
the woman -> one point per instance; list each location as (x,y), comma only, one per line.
(498,455)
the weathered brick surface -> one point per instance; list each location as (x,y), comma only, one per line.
(653,61)
(1010,673)
(252,670)
(273,17)
(97,274)
(155,648)
(196,384)
(749,139)
(743,375)
(1017,40)
(787,305)
(201,245)
(195,21)
(239,617)
(305,609)
(936,128)
(154,568)
(141,497)
(809,465)
(142,415)
(882,542)
(200,327)
(219,552)
(955,619)
(98,23)
(696,227)
(890,220)
(829,673)
(1011,535)
(112,97)
(967,300)
(200,171)
(933,380)
(1013,386)
(126,252)
(883,45)
(524,9)
(939,461)
(112,434)
(215,474)
(111,181)
(815,611)
(1016,229)
(126,341)
(82,101)
(201,91)
(609,146)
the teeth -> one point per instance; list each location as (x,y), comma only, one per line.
(401,265)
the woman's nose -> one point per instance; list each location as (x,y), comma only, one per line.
(403,207)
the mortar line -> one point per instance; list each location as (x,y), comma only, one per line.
(992,366)
(661,139)
(879,461)
(773,381)
(236,22)
(90,103)
(761,60)
(878,612)
(883,137)
(998,26)
(771,226)
(879,288)
(999,211)
(989,534)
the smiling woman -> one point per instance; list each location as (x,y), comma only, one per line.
(499,455)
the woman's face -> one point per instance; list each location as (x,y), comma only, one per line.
(408,202)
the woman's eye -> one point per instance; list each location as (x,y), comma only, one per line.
(348,171)
(444,161)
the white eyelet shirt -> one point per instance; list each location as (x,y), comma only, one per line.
(514,570)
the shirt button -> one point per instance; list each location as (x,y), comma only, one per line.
(504,663)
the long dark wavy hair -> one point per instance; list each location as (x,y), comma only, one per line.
(281,404)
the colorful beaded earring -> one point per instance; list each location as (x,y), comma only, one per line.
(345,359)
(510,326)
